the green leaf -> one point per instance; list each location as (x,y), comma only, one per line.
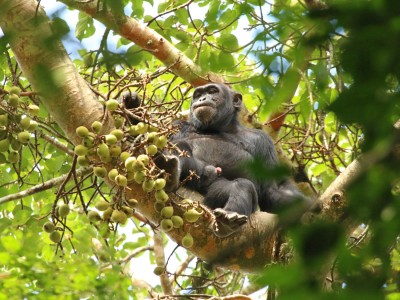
(134,55)
(85,27)
(228,41)
(11,243)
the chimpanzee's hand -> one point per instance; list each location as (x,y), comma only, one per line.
(170,164)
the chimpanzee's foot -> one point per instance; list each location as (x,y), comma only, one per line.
(227,222)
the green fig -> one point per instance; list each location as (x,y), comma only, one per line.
(4,120)
(4,145)
(119,217)
(177,221)
(13,157)
(192,215)
(96,126)
(118,133)
(148,185)
(102,205)
(25,123)
(24,137)
(132,202)
(124,156)
(55,237)
(158,271)
(121,180)
(144,159)
(80,150)
(49,227)
(187,240)
(166,225)
(93,216)
(100,171)
(161,195)
(111,139)
(33,109)
(112,104)
(63,210)
(112,174)
(139,177)
(159,184)
(82,131)
(151,150)
(161,142)
(83,161)
(167,211)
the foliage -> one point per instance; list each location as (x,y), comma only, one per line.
(344,100)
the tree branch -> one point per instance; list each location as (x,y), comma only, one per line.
(147,39)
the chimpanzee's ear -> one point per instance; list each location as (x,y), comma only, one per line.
(237,100)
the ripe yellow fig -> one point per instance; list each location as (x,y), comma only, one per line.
(177,221)
(96,126)
(102,205)
(83,161)
(112,174)
(118,133)
(100,171)
(4,145)
(81,150)
(112,104)
(159,184)
(33,109)
(151,150)
(63,210)
(121,180)
(82,131)
(93,216)
(25,123)
(167,211)
(148,185)
(187,241)
(55,237)
(192,215)
(119,217)
(166,225)
(161,195)
(49,227)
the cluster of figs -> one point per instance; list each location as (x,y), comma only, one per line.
(15,128)
(130,164)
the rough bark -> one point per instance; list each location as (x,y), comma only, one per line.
(43,59)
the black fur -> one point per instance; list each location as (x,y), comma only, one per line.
(217,145)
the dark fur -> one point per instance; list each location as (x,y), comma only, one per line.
(223,143)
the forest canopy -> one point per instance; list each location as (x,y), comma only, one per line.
(83,210)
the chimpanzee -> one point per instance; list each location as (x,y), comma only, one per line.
(216,146)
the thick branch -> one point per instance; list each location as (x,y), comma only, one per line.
(47,66)
(147,39)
